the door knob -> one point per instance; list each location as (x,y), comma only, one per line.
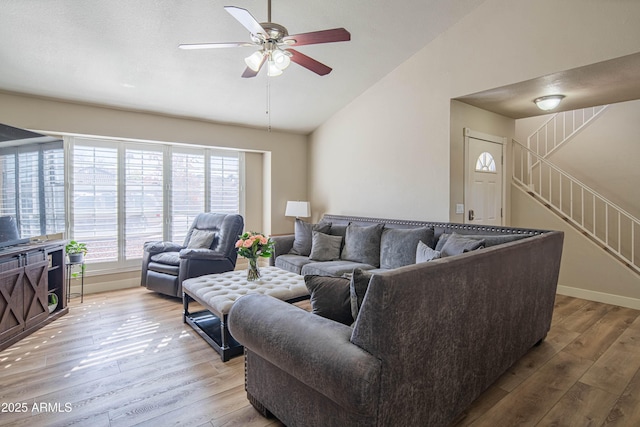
(471,215)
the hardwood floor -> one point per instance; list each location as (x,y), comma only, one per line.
(125,358)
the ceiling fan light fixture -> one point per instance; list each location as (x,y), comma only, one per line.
(273,70)
(254,60)
(280,59)
(546,103)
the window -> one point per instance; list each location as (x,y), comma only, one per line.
(125,194)
(32,179)
(187,190)
(485,163)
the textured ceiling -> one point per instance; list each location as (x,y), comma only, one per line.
(602,83)
(124,54)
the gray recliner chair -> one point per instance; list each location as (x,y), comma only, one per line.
(208,248)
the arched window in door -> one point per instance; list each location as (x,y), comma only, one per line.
(485,163)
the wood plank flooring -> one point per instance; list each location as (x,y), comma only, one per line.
(125,358)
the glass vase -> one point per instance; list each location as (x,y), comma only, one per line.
(253,272)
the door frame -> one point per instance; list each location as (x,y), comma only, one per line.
(502,141)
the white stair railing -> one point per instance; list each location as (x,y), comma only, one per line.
(560,128)
(616,230)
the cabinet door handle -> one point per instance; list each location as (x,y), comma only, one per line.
(471,215)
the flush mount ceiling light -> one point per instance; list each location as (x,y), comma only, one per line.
(546,103)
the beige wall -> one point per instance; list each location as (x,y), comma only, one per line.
(393,151)
(605,155)
(586,270)
(387,153)
(273,159)
(287,153)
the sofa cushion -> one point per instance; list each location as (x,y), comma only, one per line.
(424,253)
(168,258)
(292,263)
(330,297)
(398,245)
(201,239)
(362,244)
(338,230)
(333,268)
(457,244)
(325,247)
(489,239)
(303,236)
(441,241)
(358,288)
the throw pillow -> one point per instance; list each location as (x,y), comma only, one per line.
(358,288)
(441,241)
(424,253)
(302,240)
(330,297)
(398,245)
(362,244)
(457,244)
(201,239)
(325,247)
(489,239)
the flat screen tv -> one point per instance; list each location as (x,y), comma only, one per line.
(32,203)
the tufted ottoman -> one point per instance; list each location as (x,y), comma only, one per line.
(218,292)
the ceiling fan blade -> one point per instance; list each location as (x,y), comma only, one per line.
(315,37)
(213,45)
(247,20)
(249,72)
(309,63)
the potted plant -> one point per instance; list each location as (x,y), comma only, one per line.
(76,251)
(52,301)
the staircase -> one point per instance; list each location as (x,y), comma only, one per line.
(604,222)
(560,128)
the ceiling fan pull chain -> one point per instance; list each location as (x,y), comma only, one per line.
(268,103)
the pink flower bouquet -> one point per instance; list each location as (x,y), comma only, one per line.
(252,245)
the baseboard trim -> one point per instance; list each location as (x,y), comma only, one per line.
(599,297)
(114,285)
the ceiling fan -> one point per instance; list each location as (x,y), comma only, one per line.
(274,42)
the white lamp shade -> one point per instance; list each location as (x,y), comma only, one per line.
(298,209)
(254,60)
(273,70)
(280,59)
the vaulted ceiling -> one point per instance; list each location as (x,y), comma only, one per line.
(124,54)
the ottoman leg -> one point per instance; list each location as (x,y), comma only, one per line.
(224,338)
(185,302)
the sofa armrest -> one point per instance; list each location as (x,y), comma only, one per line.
(156,247)
(283,244)
(301,343)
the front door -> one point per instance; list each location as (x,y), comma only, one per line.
(483,179)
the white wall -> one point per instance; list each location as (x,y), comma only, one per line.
(387,153)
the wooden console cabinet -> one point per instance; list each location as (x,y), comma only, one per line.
(28,273)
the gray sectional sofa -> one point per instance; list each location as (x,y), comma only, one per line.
(428,338)
(375,244)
